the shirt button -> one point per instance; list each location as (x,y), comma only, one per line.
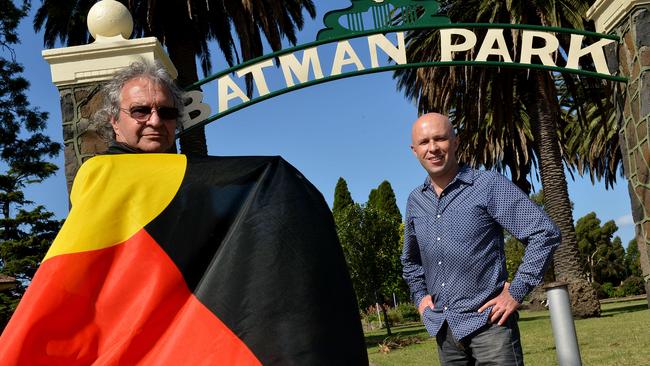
(445,308)
(438,216)
(438,238)
(440,262)
(443,284)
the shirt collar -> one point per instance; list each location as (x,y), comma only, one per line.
(121,148)
(465,174)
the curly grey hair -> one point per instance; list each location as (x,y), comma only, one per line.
(112,90)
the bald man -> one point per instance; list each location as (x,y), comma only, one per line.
(453,257)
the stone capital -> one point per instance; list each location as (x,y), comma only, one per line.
(99,61)
(606,14)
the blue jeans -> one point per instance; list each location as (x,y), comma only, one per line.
(490,345)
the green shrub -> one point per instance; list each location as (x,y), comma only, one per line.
(395,316)
(409,312)
(633,285)
(618,292)
(404,313)
(370,315)
(608,289)
(613,292)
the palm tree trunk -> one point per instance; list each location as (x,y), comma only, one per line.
(182,53)
(584,302)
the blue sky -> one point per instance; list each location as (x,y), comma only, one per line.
(357,128)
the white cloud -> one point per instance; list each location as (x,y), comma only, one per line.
(626,220)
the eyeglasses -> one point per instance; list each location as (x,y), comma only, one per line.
(142,113)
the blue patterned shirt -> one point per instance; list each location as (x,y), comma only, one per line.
(454,248)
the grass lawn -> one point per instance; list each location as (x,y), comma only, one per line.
(621,336)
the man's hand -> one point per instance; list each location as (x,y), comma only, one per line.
(424,303)
(502,306)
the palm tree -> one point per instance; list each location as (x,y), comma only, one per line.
(495,133)
(591,141)
(186,28)
(513,118)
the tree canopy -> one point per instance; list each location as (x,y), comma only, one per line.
(26,231)
(383,199)
(370,242)
(371,239)
(601,254)
(633,259)
(342,196)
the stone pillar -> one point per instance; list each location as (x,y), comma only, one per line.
(630,20)
(79,71)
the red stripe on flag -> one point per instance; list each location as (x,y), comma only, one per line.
(127,304)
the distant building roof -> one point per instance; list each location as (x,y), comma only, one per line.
(7,282)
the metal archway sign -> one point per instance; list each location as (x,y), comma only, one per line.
(302,66)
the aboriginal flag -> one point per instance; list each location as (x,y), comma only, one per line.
(168,260)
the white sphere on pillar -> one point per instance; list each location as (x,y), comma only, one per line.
(109,18)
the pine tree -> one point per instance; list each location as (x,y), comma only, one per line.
(601,255)
(383,199)
(342,196)
(370,240)
(612,266)
(633,259)
(25,231)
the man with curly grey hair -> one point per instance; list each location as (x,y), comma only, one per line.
(142,105)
